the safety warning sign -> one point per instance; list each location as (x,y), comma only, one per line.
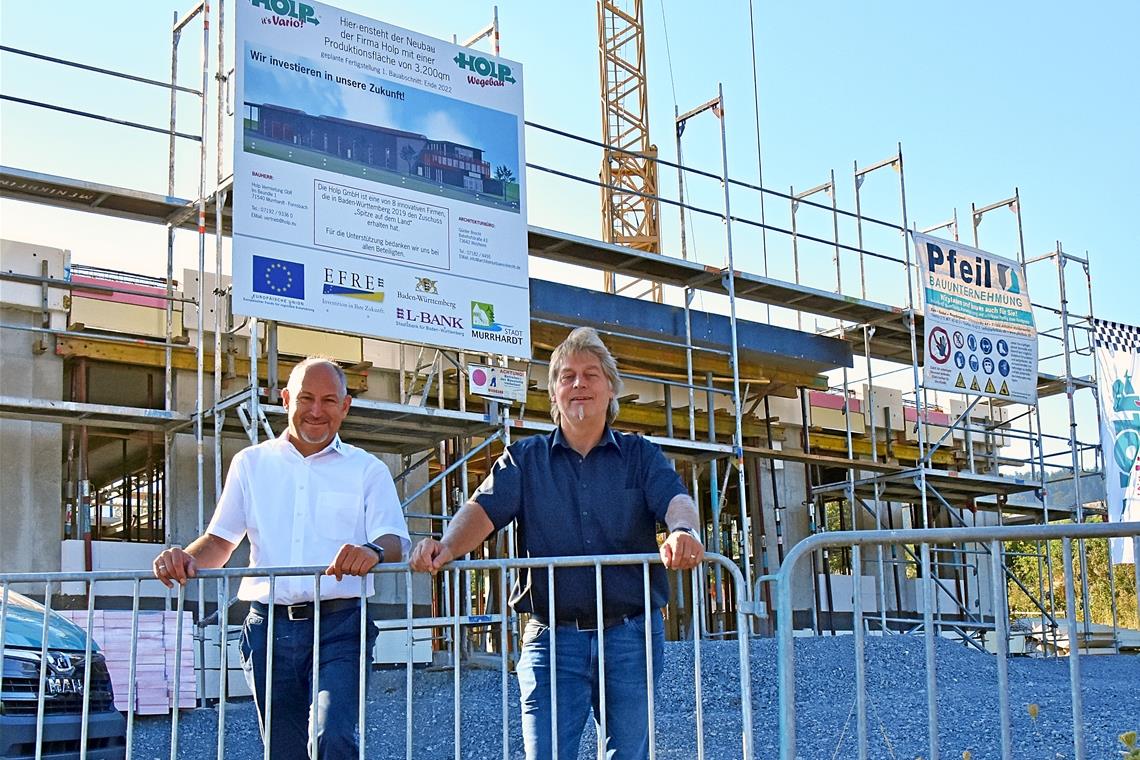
(979,326)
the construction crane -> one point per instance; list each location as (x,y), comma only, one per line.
(629,166)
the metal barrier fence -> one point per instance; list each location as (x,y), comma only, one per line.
(464,574)
(993,537)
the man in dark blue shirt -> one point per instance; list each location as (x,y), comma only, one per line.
(583,490)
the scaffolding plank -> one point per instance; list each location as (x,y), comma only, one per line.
(959,489)
(581,251)
(90,415)
(80,195)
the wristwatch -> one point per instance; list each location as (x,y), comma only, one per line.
(688,530)
(376,548)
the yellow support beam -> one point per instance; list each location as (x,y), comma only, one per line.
(900,452)
(183,358)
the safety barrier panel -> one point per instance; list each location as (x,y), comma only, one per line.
(44,686)
(993,537)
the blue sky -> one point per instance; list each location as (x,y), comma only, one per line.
(984,97)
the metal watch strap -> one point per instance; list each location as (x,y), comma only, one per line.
(376,548)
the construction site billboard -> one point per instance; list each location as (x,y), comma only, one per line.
(379,181)
(980,336)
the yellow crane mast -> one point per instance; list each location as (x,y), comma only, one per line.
(629,166)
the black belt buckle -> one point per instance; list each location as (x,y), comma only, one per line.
(591,624)
(302,611)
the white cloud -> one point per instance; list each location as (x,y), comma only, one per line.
(439,125)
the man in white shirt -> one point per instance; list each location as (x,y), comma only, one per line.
(306,498)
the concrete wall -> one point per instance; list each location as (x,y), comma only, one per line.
(31,509)
(30,489)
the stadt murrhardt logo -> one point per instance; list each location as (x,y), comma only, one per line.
(289,12)
(486,73)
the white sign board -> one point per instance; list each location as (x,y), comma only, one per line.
(980,334)
(497,382)
(1118,362)
(379,181)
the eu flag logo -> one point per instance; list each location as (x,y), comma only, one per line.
(275,277)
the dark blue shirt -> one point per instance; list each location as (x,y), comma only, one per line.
(608,502)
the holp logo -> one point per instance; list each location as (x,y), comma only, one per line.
(289,12)
(490,74)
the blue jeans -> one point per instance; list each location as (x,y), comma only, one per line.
(337,702)
(579,687)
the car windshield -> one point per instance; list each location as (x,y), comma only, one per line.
(24,626)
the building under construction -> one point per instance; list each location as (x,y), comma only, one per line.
(125,396)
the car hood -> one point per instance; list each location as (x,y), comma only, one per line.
(24,626)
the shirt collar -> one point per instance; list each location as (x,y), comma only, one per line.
(335,445)
(608,439)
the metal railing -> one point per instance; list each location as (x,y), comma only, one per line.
(993,537)
(454,640)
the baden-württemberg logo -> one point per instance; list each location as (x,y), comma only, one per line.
(483,325)
(425,291)
(289,12)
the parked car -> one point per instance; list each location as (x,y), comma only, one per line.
(63,688)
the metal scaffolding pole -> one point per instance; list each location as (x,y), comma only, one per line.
(1062,259)
(737,407)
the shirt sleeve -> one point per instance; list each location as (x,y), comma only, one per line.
(229,521)
(662,482)
(382,513)
(500,495)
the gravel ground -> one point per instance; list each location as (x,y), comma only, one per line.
(896,713)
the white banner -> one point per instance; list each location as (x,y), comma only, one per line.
(1117,362)
(379,181)
(980,334)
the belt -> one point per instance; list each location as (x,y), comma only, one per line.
(304,610)
(588,622)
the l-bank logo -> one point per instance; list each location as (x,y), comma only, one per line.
(289,12)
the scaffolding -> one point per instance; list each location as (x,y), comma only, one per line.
(745,419)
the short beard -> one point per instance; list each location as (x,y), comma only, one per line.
(310,439)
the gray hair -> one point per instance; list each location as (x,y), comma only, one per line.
(584,340)
(298,373)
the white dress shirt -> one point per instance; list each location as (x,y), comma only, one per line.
(298,511)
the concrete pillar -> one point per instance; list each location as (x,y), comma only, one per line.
(31,453)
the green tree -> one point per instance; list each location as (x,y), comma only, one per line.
(503,173)
(409,154)
(1024,563)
